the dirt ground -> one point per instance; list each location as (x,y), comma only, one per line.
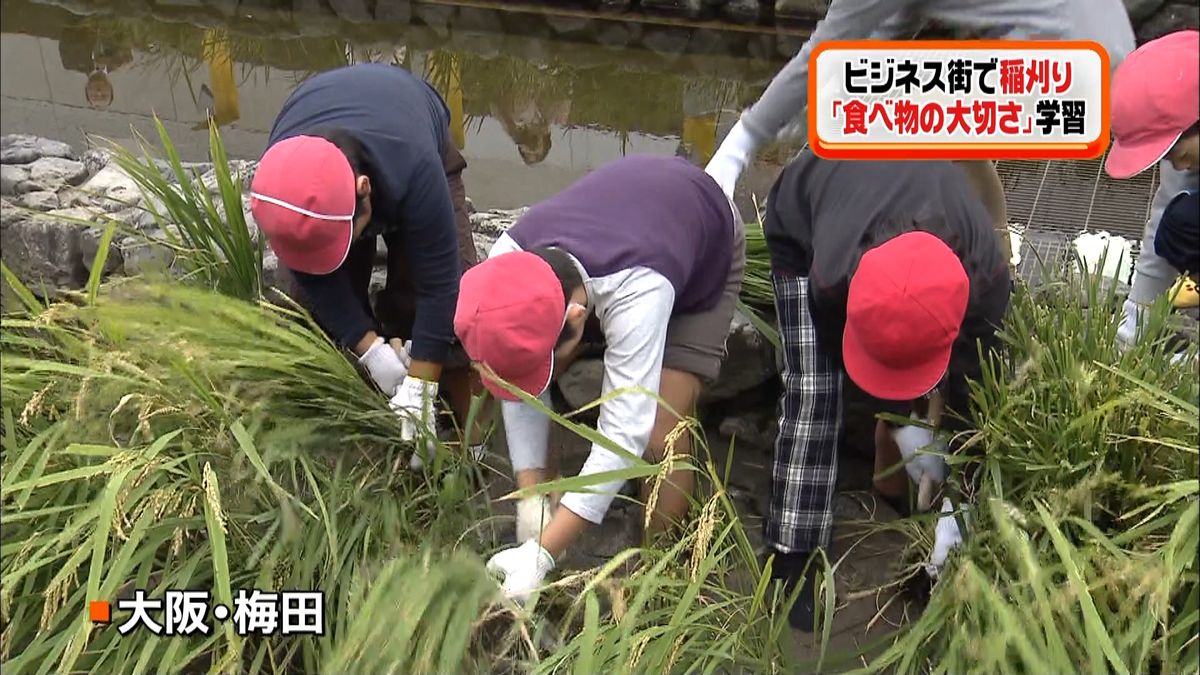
(863,563)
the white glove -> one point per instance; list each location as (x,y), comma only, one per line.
(418,459)
(413,402)
(926,470)
(404,351)
(1133,316)
(533,515)
(521,569)
(386,365)
(731,158)
(946,538)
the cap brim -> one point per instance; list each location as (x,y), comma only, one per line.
(887,383)
(533,383)
(1126,160)
(322,260)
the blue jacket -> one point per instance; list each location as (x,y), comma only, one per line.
(403,125)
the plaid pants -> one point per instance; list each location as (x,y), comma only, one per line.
(804,466)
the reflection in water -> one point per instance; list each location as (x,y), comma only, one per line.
(530,114)
(219,103)
(86,51)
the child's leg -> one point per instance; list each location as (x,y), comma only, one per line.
(460,386)
(680,391)
(894,487)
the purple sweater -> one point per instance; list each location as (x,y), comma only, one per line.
(651,211)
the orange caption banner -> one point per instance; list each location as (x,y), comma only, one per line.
(890,150)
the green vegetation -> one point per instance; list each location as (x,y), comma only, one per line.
(169,434)
(1082,549)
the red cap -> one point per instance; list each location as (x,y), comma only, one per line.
(904,310)
(1155,98)
(510,313)
(303,199)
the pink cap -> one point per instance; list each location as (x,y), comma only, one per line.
(303,199)
(904,311)
(1155,98)
(510,313)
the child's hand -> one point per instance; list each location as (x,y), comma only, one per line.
(925,469)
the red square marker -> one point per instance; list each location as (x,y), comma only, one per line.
(100,611)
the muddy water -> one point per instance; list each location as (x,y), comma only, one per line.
(537,101)
(531,112)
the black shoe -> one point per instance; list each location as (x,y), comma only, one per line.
(790,568)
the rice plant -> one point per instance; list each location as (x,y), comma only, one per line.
(214,244)
(167,435)
(1081,552)
(171,437)
(164,436)
(757,290)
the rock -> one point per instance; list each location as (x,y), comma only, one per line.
(568,25)
(495,222)
(617,34)
(749,362)
(757,429)
(788,45)
(181,4)
(483,245)
(137,217)
(395,11)
(12,175)
(355,11)
(269,12)
(581,382)
(1140,10)
(89,245)
(9,213)
(270,275)
(688,8)
(54,172)
(112,187)
(744,11)
(436,17)
(667,42)
(26,149)
(39,200)
(142,255)
(1171,17)
(43,251)
(481,19)
(28,186)
(807,9)
(96,159)
(227,8)
(487,226)
(761,46)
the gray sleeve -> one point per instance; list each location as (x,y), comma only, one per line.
(1153,275)
(787,95)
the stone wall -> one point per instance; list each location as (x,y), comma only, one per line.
(56,200)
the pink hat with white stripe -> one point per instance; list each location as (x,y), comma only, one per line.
(1155,98)
(303,199)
